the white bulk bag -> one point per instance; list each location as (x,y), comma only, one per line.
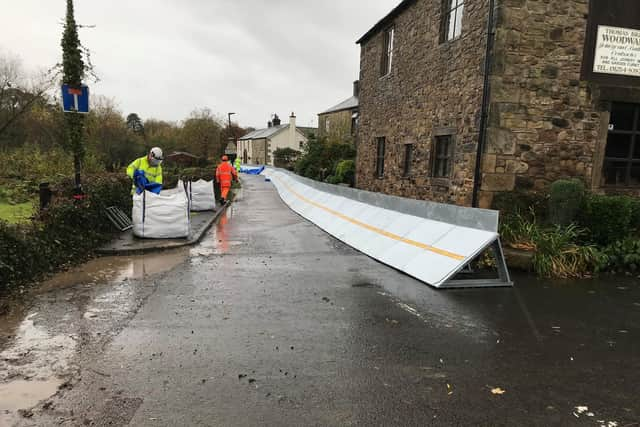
(202,195)
(161,216)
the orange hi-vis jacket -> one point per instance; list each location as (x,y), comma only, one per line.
(225,174)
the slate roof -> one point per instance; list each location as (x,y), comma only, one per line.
(386,20)
(264,133)
(348,104)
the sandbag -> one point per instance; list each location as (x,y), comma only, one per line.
(161,216)
(202,195)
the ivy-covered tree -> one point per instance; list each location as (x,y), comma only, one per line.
(72,74)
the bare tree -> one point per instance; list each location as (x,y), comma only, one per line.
(19,91)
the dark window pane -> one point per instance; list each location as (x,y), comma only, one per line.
(618,146)
(615,173)
(622,116)
(635,174)
(636,148)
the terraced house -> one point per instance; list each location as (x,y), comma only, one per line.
(560,98)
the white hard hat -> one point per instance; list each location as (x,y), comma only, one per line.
(156,153)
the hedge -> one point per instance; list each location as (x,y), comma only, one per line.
(610,218)
(67,232)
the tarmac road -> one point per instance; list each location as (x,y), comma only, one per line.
(272,322)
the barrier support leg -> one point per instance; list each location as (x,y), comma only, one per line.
(503,279)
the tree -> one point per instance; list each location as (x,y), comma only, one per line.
(201,134)
(285,157)
(19,93)
(134,123)
(72,74)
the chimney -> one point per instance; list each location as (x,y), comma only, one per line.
(293,134)
(276,120)
(356,88)
(269,124)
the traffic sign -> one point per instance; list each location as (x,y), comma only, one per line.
(75,99)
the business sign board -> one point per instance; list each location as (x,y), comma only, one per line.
(75,99)
(617,51)
(611,54)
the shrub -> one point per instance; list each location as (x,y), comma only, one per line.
(610,218)
(528,204)
(565,201)
(622,256)
(67,232)
(558,254)
(557,249)
(321,158)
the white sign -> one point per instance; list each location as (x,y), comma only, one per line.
(617,51)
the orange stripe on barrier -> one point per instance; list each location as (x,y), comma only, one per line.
(378,230)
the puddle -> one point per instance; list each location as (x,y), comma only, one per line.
(36,352)
(115,269)
(21,394)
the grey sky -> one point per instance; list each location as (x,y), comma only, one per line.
(164,58)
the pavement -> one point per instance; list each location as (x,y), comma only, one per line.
(127,244)
(270,321)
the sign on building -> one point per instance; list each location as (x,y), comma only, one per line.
(617,51)
(75,100)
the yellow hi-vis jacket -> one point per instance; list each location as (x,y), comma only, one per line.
(238,164)
(152,173)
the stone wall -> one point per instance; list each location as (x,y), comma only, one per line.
(430,86)
(545,123)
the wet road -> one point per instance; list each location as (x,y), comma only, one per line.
(272,322)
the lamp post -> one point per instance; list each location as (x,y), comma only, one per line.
(232,135)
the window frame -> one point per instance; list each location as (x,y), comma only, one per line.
(437,156)
(407,163)
(386,59)
(629,160)
(451,9)
(381,149)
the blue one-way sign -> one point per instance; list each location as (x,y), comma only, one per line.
(75,99)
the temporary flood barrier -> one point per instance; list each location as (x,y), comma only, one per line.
(161,216)
(432,242)
(201,194)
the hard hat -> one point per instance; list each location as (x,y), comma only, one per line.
(155,156)
(225,158)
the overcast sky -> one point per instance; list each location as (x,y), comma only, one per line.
(164,58)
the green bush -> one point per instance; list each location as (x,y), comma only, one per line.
(566,198)
(528,204)
(610,218)
(622,256)
(321,158)
(67,232)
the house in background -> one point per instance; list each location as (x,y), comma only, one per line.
(258,146)
(463,99)
(340,123)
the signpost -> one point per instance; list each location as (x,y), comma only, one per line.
(75,100)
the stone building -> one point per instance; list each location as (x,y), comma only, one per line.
(561,98)
(257,147)
(340,122)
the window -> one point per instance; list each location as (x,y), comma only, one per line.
(387,52)
(442,156)
(451,25)
(354,124)
(380,156)
(301,145)
(327,125)
(622,155)
(408,159)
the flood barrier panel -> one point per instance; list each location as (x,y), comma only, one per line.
(430,241)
